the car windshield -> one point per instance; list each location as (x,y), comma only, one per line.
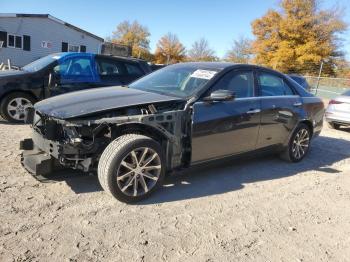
(40,63)
(177,80)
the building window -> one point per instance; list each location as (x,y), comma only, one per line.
(14,41)
(73,48)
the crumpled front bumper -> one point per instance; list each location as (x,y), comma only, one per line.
(36,161)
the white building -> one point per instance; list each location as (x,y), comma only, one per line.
(27,37)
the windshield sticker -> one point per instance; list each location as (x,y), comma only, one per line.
(204,74)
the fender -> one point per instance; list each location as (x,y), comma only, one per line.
(304,120)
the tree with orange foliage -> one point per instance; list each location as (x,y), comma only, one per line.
(134,35)
(169,50)
(297,38)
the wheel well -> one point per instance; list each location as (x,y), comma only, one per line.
(19,91)
(142,129)
(310,126)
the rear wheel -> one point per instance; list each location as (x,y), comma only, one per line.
(298,145)
(13,106)
(131,167)
(334,126)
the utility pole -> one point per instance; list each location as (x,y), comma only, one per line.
(168,59)
(319,76)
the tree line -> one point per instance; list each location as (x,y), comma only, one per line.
(294,38)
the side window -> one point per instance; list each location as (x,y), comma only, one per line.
(133,69)
(241,83)
(76,69)
(272,85)
(107,67)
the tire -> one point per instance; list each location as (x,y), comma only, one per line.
(301,133)
(117,168)
(334,126)
(1,116)
(10,101)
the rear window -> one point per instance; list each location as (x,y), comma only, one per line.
(272,85)
(110,68)
(133,69)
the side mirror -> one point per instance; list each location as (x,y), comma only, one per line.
(220,95)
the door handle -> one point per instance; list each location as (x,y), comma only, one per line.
(297,104)
(253,111)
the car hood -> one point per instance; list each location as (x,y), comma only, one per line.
(11,73)
(83,103)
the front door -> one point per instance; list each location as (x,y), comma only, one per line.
(227,127)
(73,74)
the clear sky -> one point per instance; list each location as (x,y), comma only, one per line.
(220,21)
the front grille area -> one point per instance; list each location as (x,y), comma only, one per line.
(47,127)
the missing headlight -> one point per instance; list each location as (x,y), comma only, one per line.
(72,135)
(51,130)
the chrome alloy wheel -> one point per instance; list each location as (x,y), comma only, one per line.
(301,143)
(16,108)
(139,171)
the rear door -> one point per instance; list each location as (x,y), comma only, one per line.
(113,71)
(133,72)
(110,71)
(280,109)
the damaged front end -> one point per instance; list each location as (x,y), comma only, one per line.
(78,143)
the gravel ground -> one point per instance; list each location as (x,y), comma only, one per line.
(244,210)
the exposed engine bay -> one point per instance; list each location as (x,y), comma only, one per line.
(78,142)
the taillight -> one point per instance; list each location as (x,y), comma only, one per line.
(335,102)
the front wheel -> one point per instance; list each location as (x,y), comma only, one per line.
(298,145)
(131,167)
(13,106)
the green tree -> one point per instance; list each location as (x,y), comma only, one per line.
(134,35)
(240,51)
(298,37)
(169,50)
(201,51)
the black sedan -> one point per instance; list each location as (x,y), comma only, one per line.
(62,73)
(173,118)
(301,80)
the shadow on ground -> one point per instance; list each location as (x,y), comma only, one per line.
(343,128)
(4,122)
(227,175)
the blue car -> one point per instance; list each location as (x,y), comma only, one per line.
(61,73)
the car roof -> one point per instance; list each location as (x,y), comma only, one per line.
(66,54)
(222,66)
(127,58)
(212,65)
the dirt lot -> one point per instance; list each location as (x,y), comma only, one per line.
(246,210)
